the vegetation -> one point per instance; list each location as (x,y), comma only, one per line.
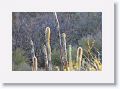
(67,41)
(19,60)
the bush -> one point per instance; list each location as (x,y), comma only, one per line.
(19,61)
(56,57)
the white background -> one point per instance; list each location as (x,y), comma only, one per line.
(82,86)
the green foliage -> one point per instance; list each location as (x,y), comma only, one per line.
(56,57)
(19,60)
(18,56)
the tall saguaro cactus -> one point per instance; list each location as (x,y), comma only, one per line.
(64,54)
(70,57)
(34,59)
(48,48)
(79,58)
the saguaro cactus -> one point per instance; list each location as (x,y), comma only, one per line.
(34,59)
(70,57)
(79,58)
(48,48)
(64,53)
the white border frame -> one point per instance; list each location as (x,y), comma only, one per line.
(104,76)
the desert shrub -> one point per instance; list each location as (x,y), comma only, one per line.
(22,67)
(19,60)
(91,53)
(56,57)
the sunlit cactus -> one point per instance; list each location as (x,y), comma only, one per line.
(64,51)
(70,57)
(34,59)
(34,64)
(79,57)
(45,57)
(32,49)
(48,48)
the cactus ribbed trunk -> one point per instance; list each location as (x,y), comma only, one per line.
(34,59)
(79,58)
(70,57)
(48,48)
(64,53)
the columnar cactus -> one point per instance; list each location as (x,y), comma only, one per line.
(45,57)
(79,58)
(34,59)
(70,57)
(32,49)
(48,48)
(34,64)
(64,49)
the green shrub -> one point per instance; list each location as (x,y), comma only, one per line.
(56,57)
(19,61)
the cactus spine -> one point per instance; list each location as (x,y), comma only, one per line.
(64,49)
(34,59)
(79,58)
(70,57)
(48,48)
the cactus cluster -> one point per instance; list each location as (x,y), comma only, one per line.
(67,61)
